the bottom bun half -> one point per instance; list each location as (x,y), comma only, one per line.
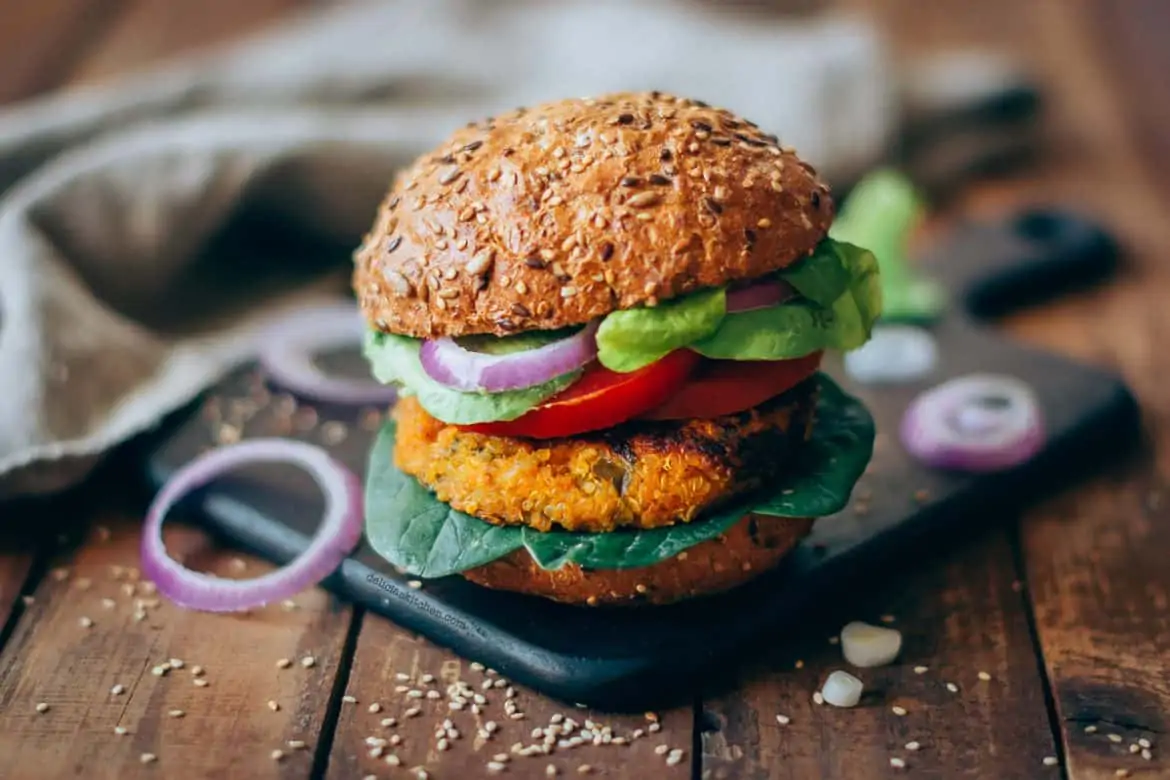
(746,550)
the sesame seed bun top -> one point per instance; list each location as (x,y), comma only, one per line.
(559,214)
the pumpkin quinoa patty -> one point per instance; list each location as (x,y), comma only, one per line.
(641,474)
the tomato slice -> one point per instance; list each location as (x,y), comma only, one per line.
(719,387)
(599,399)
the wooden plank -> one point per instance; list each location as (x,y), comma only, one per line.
(1096,558)
(959,617)
(40,40)
(80,638)
(389,659)
(150,30)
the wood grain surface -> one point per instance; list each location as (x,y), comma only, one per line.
(1066,612)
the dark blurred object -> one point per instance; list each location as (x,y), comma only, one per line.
(965,114)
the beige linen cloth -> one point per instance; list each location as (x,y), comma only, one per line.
(115,304)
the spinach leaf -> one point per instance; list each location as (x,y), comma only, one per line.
(413,530)
(833,459)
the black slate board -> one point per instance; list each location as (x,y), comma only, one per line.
(635,658)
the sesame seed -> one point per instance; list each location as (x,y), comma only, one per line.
(799,664)
(176,713)
(661,750)
(375,752)
(442,744)
(783,720)
(296,744)
(388,722)
(196,670)
(654,728)
(550,770)
(160,670)
(283,663)
(394,740)
(952,688)
(1145,742)
(984,676)
(277,755)
(148,758)
(272,705)
(555,200)
(60,574)
(913,746)
(85,622)
(415,584)
(349,699)
(121,731)
(375,708)
(495,766)
(818,698)
(108,603)
(1114,737)
(1050,761)
(1135,747)
(42,707)
(1121,773)
(402,676)
(920,670)
(643,200)
(200,682)
(897,763)
(1090,729)
(899,711)
(118,689)
(584,769)
(412,712)
(1146,754)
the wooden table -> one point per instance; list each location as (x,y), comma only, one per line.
(1065,611)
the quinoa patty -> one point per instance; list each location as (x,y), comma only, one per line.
(641,474)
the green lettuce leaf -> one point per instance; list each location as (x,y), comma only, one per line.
(797,328)
(880,214)
(632,338)
(415,531)
(821,277)
(395,359)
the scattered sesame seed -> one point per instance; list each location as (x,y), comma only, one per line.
(550,770)
(654,728)
(402,676)
(1145,742)
(197,670)
(783,720)
(176,663)
(296,744)
(148,758)
(1121,773)
(952,688)
(108,603)
(428,679)
(818,698)
(308,662)
(412,712)
(476,666)
(661,750)
(434,695)
(834,640)
(118,689)
(1114,737)
(899,711)
(584,769)
(393,760)
(416,584)
(121,731)
(349,699)
(176,713)
(283,663)
(1146,754)
(1135,747)
(277,755)
(375,708)
(913,745)
(1090,729)
(799,664)
(272,705)
(442,744)
(984,676)
(495,766)
(897,763)
(394,740)
(85,622)
(42,707)
(1050,761)
(160,670)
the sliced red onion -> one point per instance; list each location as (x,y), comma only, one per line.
(761,295)
(977,423)
(286,353)
(340,529)
(462,369)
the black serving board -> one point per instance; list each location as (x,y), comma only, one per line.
(636,658)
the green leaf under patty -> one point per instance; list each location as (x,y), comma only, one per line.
(413,530)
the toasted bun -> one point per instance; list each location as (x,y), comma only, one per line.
(748,549)
(559,214)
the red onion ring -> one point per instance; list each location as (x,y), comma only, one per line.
(760,295)
(450,364)
(975,423)
(339,533)
(287,345)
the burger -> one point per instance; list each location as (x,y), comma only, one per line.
(606,318)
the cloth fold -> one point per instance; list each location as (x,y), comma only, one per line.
(132,275)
